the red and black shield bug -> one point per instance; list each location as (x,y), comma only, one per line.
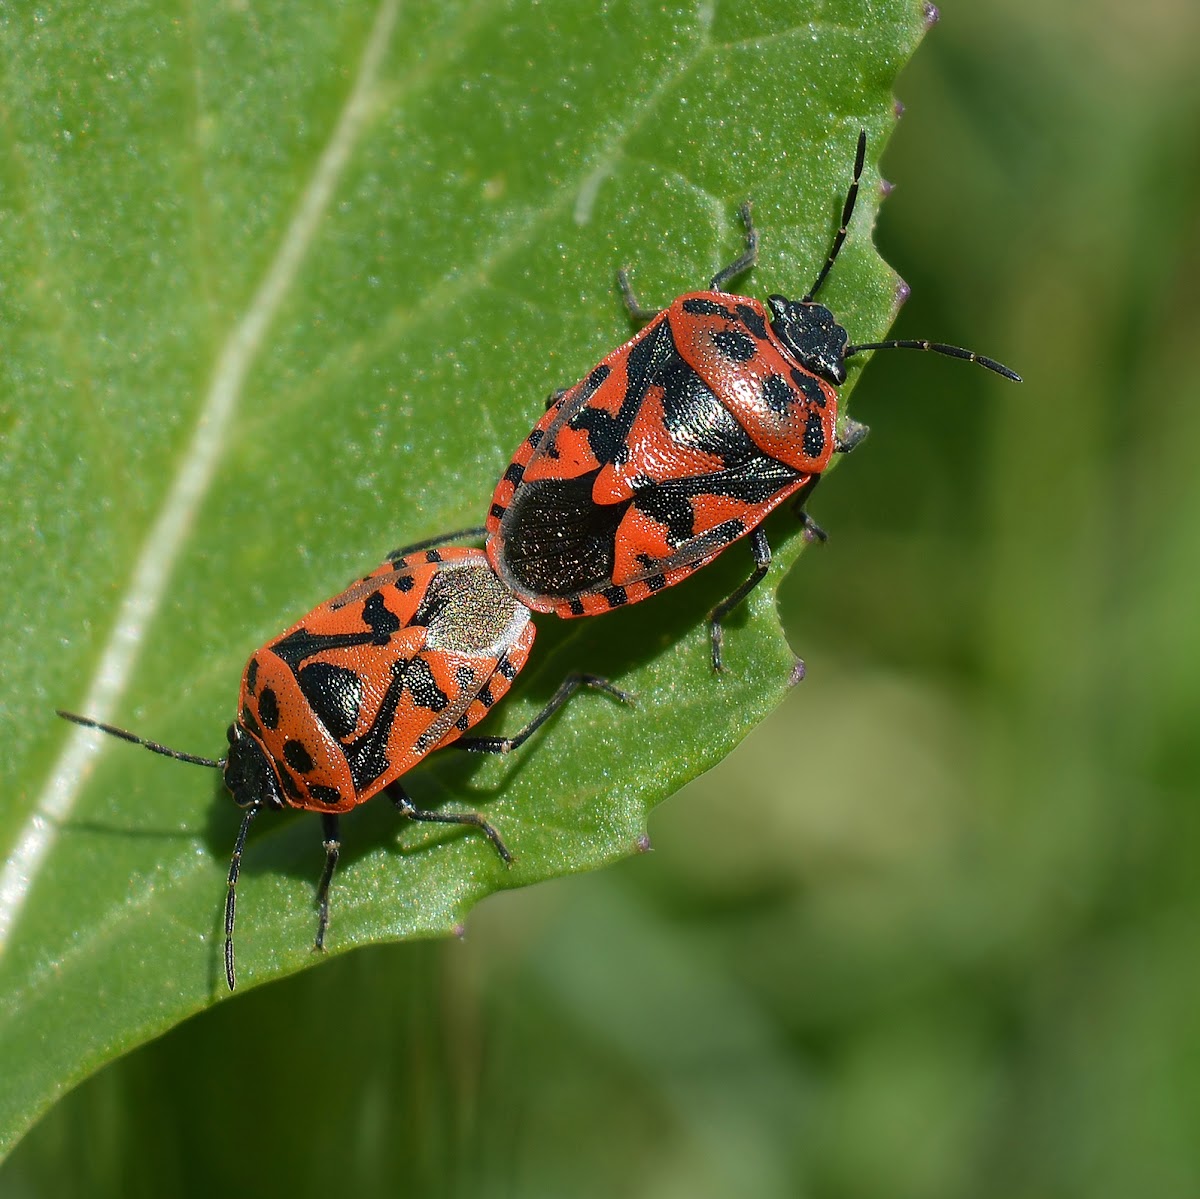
(681,442)
(342,704)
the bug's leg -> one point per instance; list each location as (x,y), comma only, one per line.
(332,844)
(442,539)
(812,530)
(235,868)
(762,561)
(745,260)
(637,309)
(406,807)
(569,685)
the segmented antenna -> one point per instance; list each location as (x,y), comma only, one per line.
(936,347)
(153,746)
(847,213)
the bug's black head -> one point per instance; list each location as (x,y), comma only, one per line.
(813,335)
(248,774)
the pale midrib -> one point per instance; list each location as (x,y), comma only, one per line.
(164,543)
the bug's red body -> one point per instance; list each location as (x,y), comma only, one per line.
(362,688)
(339,706)
(677,444)
(343,703)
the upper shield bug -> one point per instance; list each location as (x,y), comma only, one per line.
(342,704)
(681,442)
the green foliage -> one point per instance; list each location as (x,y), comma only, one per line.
(353,247)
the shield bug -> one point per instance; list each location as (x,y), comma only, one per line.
(342,704)
(681,442)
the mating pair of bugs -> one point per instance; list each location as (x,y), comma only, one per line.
(675,446)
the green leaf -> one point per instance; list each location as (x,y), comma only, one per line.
(282,289)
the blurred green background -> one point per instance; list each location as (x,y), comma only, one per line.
(950,949)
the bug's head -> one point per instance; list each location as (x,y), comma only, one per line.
(811,332)
(248,773)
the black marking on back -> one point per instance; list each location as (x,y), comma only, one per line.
(381,624)
(329,797)
(252,675)
(250,724)
(558,540)
(289,784)
(616,596)
(268,708)
(404,583)
(432,556)
(814,436)
(608,435)
(778,394)
(701,307)
(809,385)
(334,693)
(696,419)
(506,668)
(496,511)
(514,474)
(368,756)
(298,757)
(754,321)
(592,383)
(734,345)
(421,685)
(379,619)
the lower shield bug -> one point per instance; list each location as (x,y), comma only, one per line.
(339,706)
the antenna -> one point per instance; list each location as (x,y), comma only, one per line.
(847,213)
(936,347)
(235,868)
(88,723)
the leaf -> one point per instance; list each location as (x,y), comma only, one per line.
(281,290)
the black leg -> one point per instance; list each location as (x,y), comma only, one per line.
(443,539)
(569,685)
(637,309)
(406,807)
(761,549)
(745,260)
(332,843)
(812,530)
(235,868)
